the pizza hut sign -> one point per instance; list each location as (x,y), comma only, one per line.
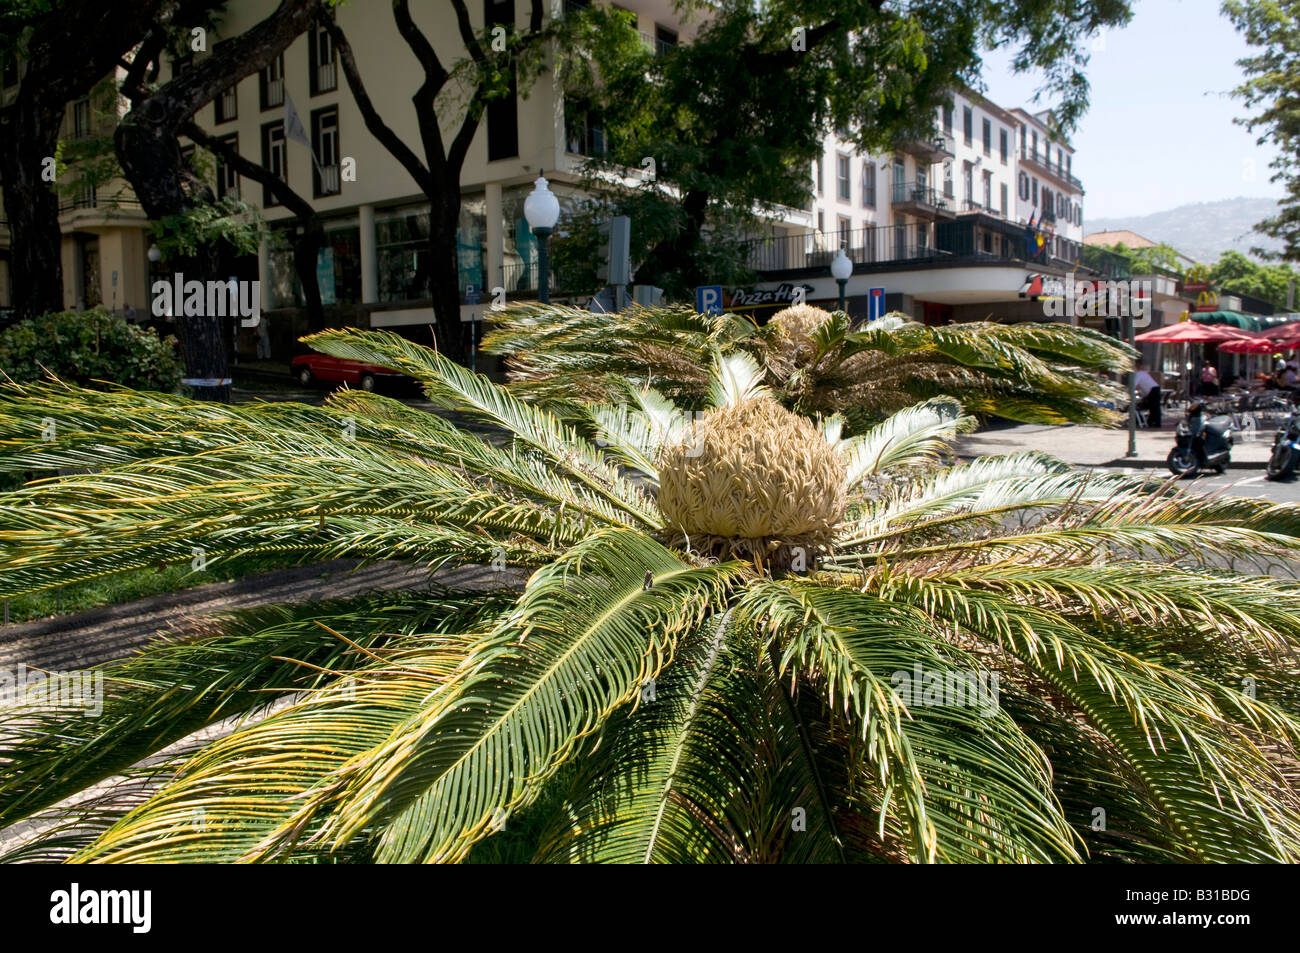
(782,294)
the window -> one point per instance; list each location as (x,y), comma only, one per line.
(1060,205)
(665,39)
(1067,166)
(821,221)
(900,241)
(1002,145)
(988,189)
(1059,166)
(503,113)
(968,183)
(846,227)
(988,137)
(900,179)
(1004,199)
(947,119)
(226,106)
(1024,187)
(274,159)
(868,184)
(270,84)
(81,119)
(967,124)
(842,178)
(1023,140)
(227,177)
(1034,151)
(584,129)
(325,144)
(821,181)
(1034,189)
(947,179)
(320,52)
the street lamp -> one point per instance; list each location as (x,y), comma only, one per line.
(542,210)
(841,268)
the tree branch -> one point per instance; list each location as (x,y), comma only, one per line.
(398,149)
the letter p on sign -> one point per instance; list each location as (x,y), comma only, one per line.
(708,299)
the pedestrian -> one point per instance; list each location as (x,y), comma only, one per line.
(1289,377)
(1209,380)
(263,339)
(1148,390)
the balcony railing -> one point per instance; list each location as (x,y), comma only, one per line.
(329,180)
(326,77)
(275,93)
(919,192)
(943,242)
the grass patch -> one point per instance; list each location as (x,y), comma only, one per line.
(138,584)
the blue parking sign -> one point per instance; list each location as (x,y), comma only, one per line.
(875,303)
(708,299)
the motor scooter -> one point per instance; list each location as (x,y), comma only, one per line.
(1201,442)
(1286,446)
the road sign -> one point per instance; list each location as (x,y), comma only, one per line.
(471,294)
(875,303)
(708,299)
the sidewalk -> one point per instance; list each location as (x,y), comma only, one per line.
(1103,446)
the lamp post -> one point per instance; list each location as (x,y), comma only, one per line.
(841,268)
(542,211)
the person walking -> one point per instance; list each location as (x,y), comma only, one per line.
(1148,390)
(1209,380)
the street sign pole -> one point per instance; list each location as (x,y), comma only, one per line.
(1132,391)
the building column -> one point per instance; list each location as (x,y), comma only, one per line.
(494,227)
(369,257)
(264,280)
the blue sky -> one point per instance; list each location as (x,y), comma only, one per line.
(1159,132)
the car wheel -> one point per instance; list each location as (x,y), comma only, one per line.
(1182,463)
(304,376)
(367,382)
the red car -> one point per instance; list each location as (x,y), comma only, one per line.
(309,368)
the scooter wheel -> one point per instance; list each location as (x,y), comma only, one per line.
(1183,463)
(1282,463)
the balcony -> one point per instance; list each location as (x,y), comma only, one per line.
(921,200)
(936,148)
(1041,165)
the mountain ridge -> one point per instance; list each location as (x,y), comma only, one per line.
(1200,230)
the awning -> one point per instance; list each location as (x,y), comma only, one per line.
(1247,322)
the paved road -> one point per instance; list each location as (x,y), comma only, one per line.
(1243,482)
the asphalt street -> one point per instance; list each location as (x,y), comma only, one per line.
(1242,482)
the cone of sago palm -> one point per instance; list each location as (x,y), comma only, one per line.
(753,478)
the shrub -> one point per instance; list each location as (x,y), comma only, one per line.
(87,346)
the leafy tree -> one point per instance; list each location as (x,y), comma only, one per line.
(499,64)
(1271,94)
(65,48)
(774,645)
(170,192)
(1141,261)
(84,347)
(817,363)
(735,118)
(1234,273)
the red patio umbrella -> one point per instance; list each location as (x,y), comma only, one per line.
(1260,345)
(1283,333)
(1190,332)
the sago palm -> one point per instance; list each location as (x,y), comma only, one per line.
(815,361)
(745,638)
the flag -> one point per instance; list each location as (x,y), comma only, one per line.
(293,127)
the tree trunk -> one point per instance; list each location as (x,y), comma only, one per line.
(444,274)
(27,137)
(306,251)
(150,157)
